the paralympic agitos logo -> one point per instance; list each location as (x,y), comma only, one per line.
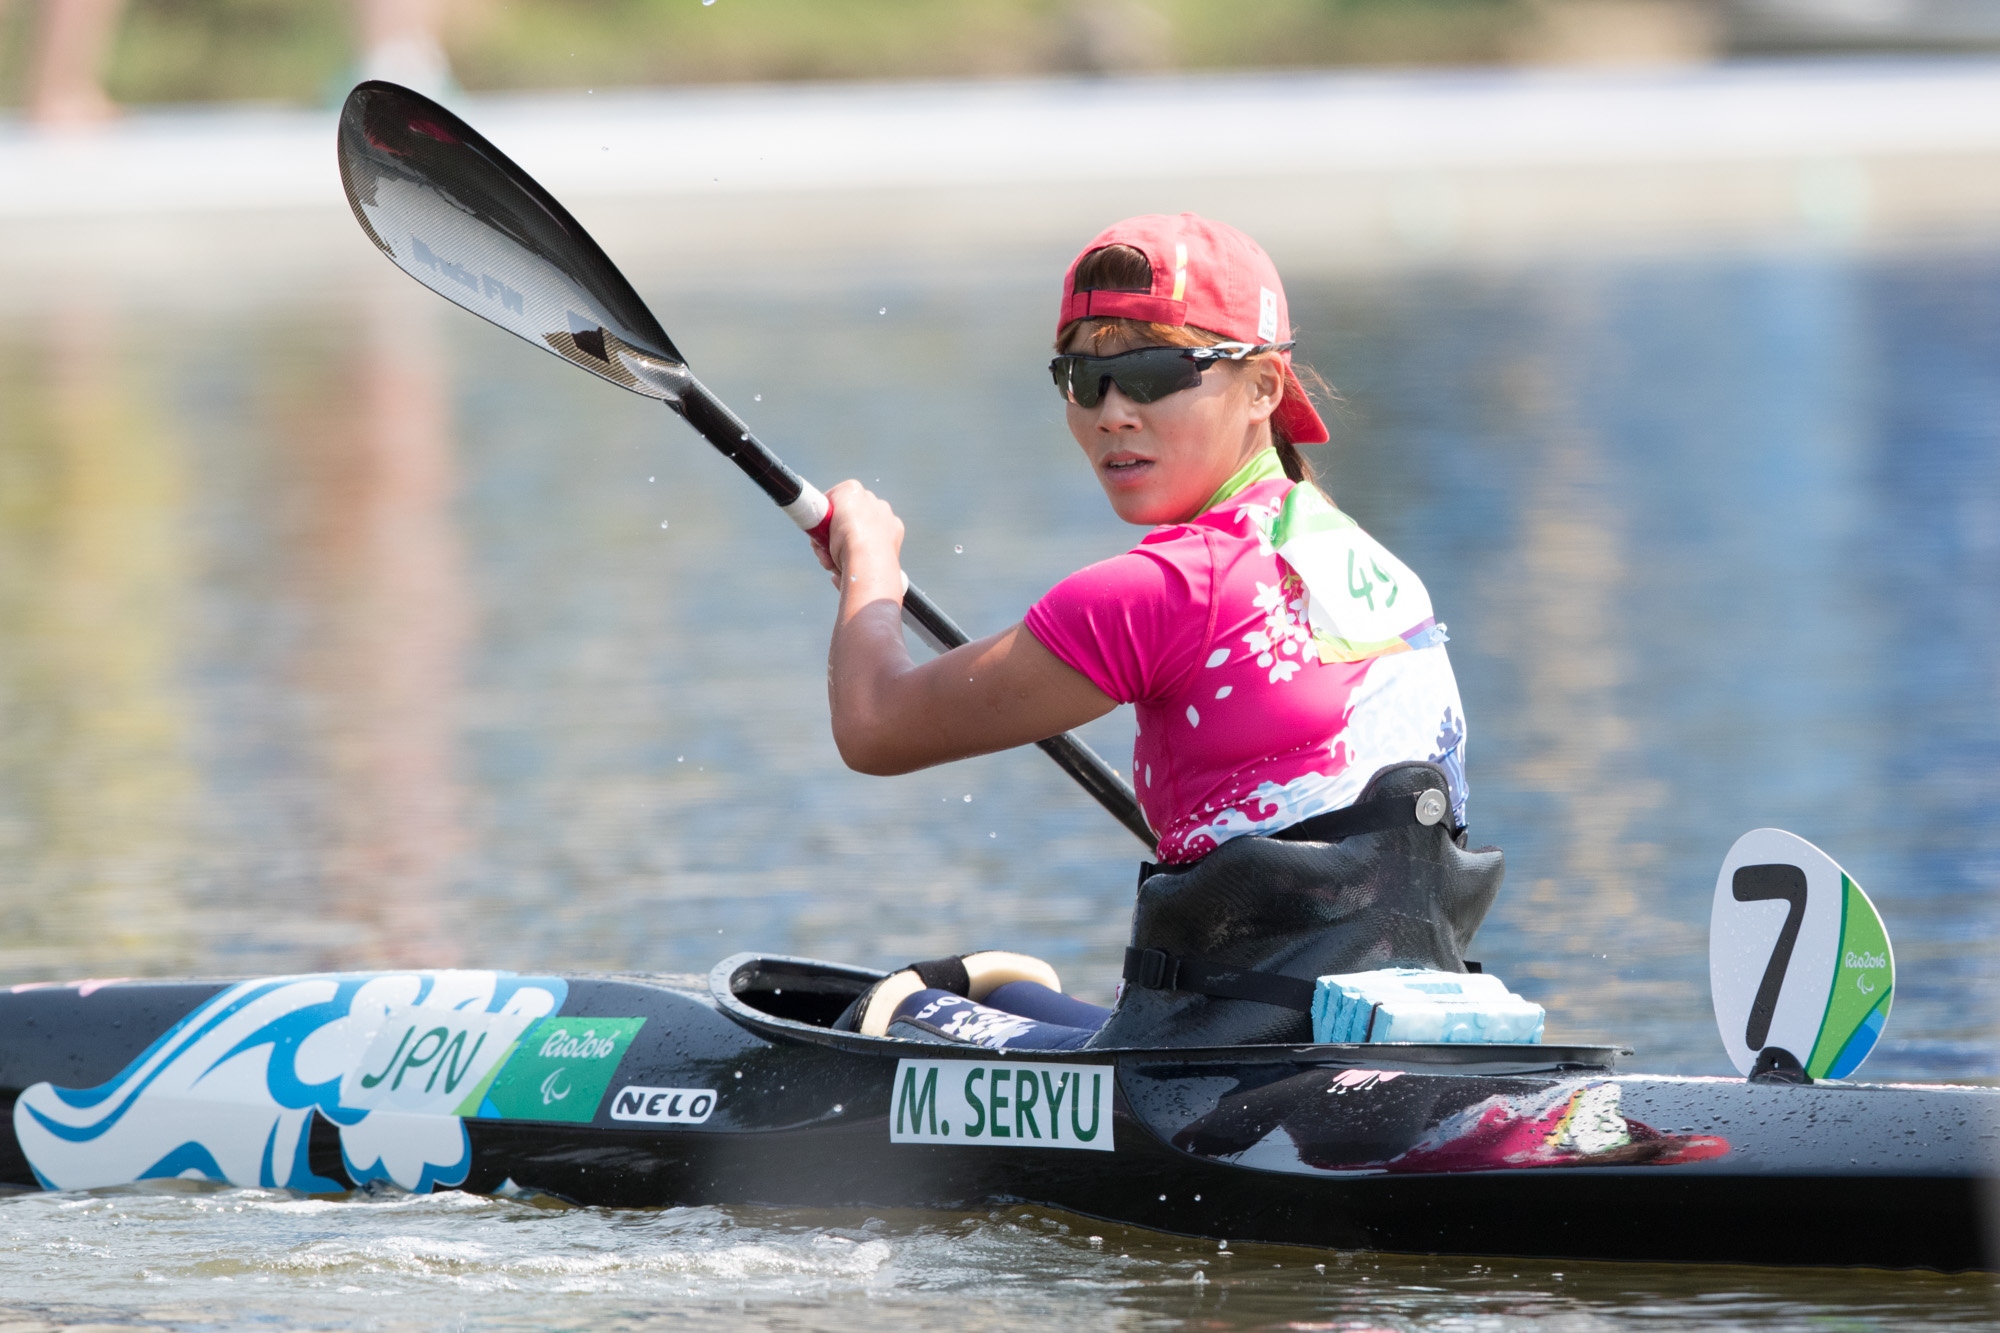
(560,1069)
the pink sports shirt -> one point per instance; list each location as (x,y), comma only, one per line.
(1242,728)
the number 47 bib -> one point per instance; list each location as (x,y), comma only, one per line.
(1362,601)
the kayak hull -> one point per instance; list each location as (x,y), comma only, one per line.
(1604,1214)
(637,1091)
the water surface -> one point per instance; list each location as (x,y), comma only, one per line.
(340,630)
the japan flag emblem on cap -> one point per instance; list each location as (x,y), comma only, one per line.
(1267,315)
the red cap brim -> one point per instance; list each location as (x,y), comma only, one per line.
(1295,415)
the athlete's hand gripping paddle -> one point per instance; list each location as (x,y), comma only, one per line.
(1799,964)
(455,214)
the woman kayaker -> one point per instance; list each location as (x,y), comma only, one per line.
(1279,659)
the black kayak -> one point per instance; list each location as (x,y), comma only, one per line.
(647,1091)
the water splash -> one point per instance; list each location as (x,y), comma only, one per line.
(284,1261)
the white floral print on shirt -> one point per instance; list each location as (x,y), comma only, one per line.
(1406,708)
(1262,520)
(1285,631)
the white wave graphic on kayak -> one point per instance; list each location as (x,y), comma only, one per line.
(229,1093)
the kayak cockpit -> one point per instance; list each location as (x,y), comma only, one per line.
(781,996)
(800,999)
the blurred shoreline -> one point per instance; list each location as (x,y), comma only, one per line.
(1333,169)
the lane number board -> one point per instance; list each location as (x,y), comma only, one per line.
(1797,957)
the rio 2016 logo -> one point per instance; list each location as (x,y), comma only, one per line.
(560,1069)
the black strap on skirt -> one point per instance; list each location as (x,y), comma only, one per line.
(1156,969)
(1376,816)
(1384,812)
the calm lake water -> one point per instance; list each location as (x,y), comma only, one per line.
(342,630)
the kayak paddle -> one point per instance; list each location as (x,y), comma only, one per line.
(457,215)
(1799,963)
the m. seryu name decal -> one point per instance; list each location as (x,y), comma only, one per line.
(1007,1104)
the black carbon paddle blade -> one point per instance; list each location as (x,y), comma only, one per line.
(457,215)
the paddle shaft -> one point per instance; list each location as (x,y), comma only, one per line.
(810,509)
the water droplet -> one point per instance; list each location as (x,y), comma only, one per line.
(744,436)
(663,523)
(1163,1198)
(680,759)
(652,479)
(883,311)
(968,798)
(959,550)
(836,1108)
(993,835)
(756,397)
(739,1073)
(706,3)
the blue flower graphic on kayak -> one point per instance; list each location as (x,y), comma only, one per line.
(229,1094)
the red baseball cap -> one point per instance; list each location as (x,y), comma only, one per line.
(1209,275)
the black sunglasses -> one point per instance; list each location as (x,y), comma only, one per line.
(1147,375)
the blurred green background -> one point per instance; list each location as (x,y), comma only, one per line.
(296,50)
(302,51)
(306,51)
